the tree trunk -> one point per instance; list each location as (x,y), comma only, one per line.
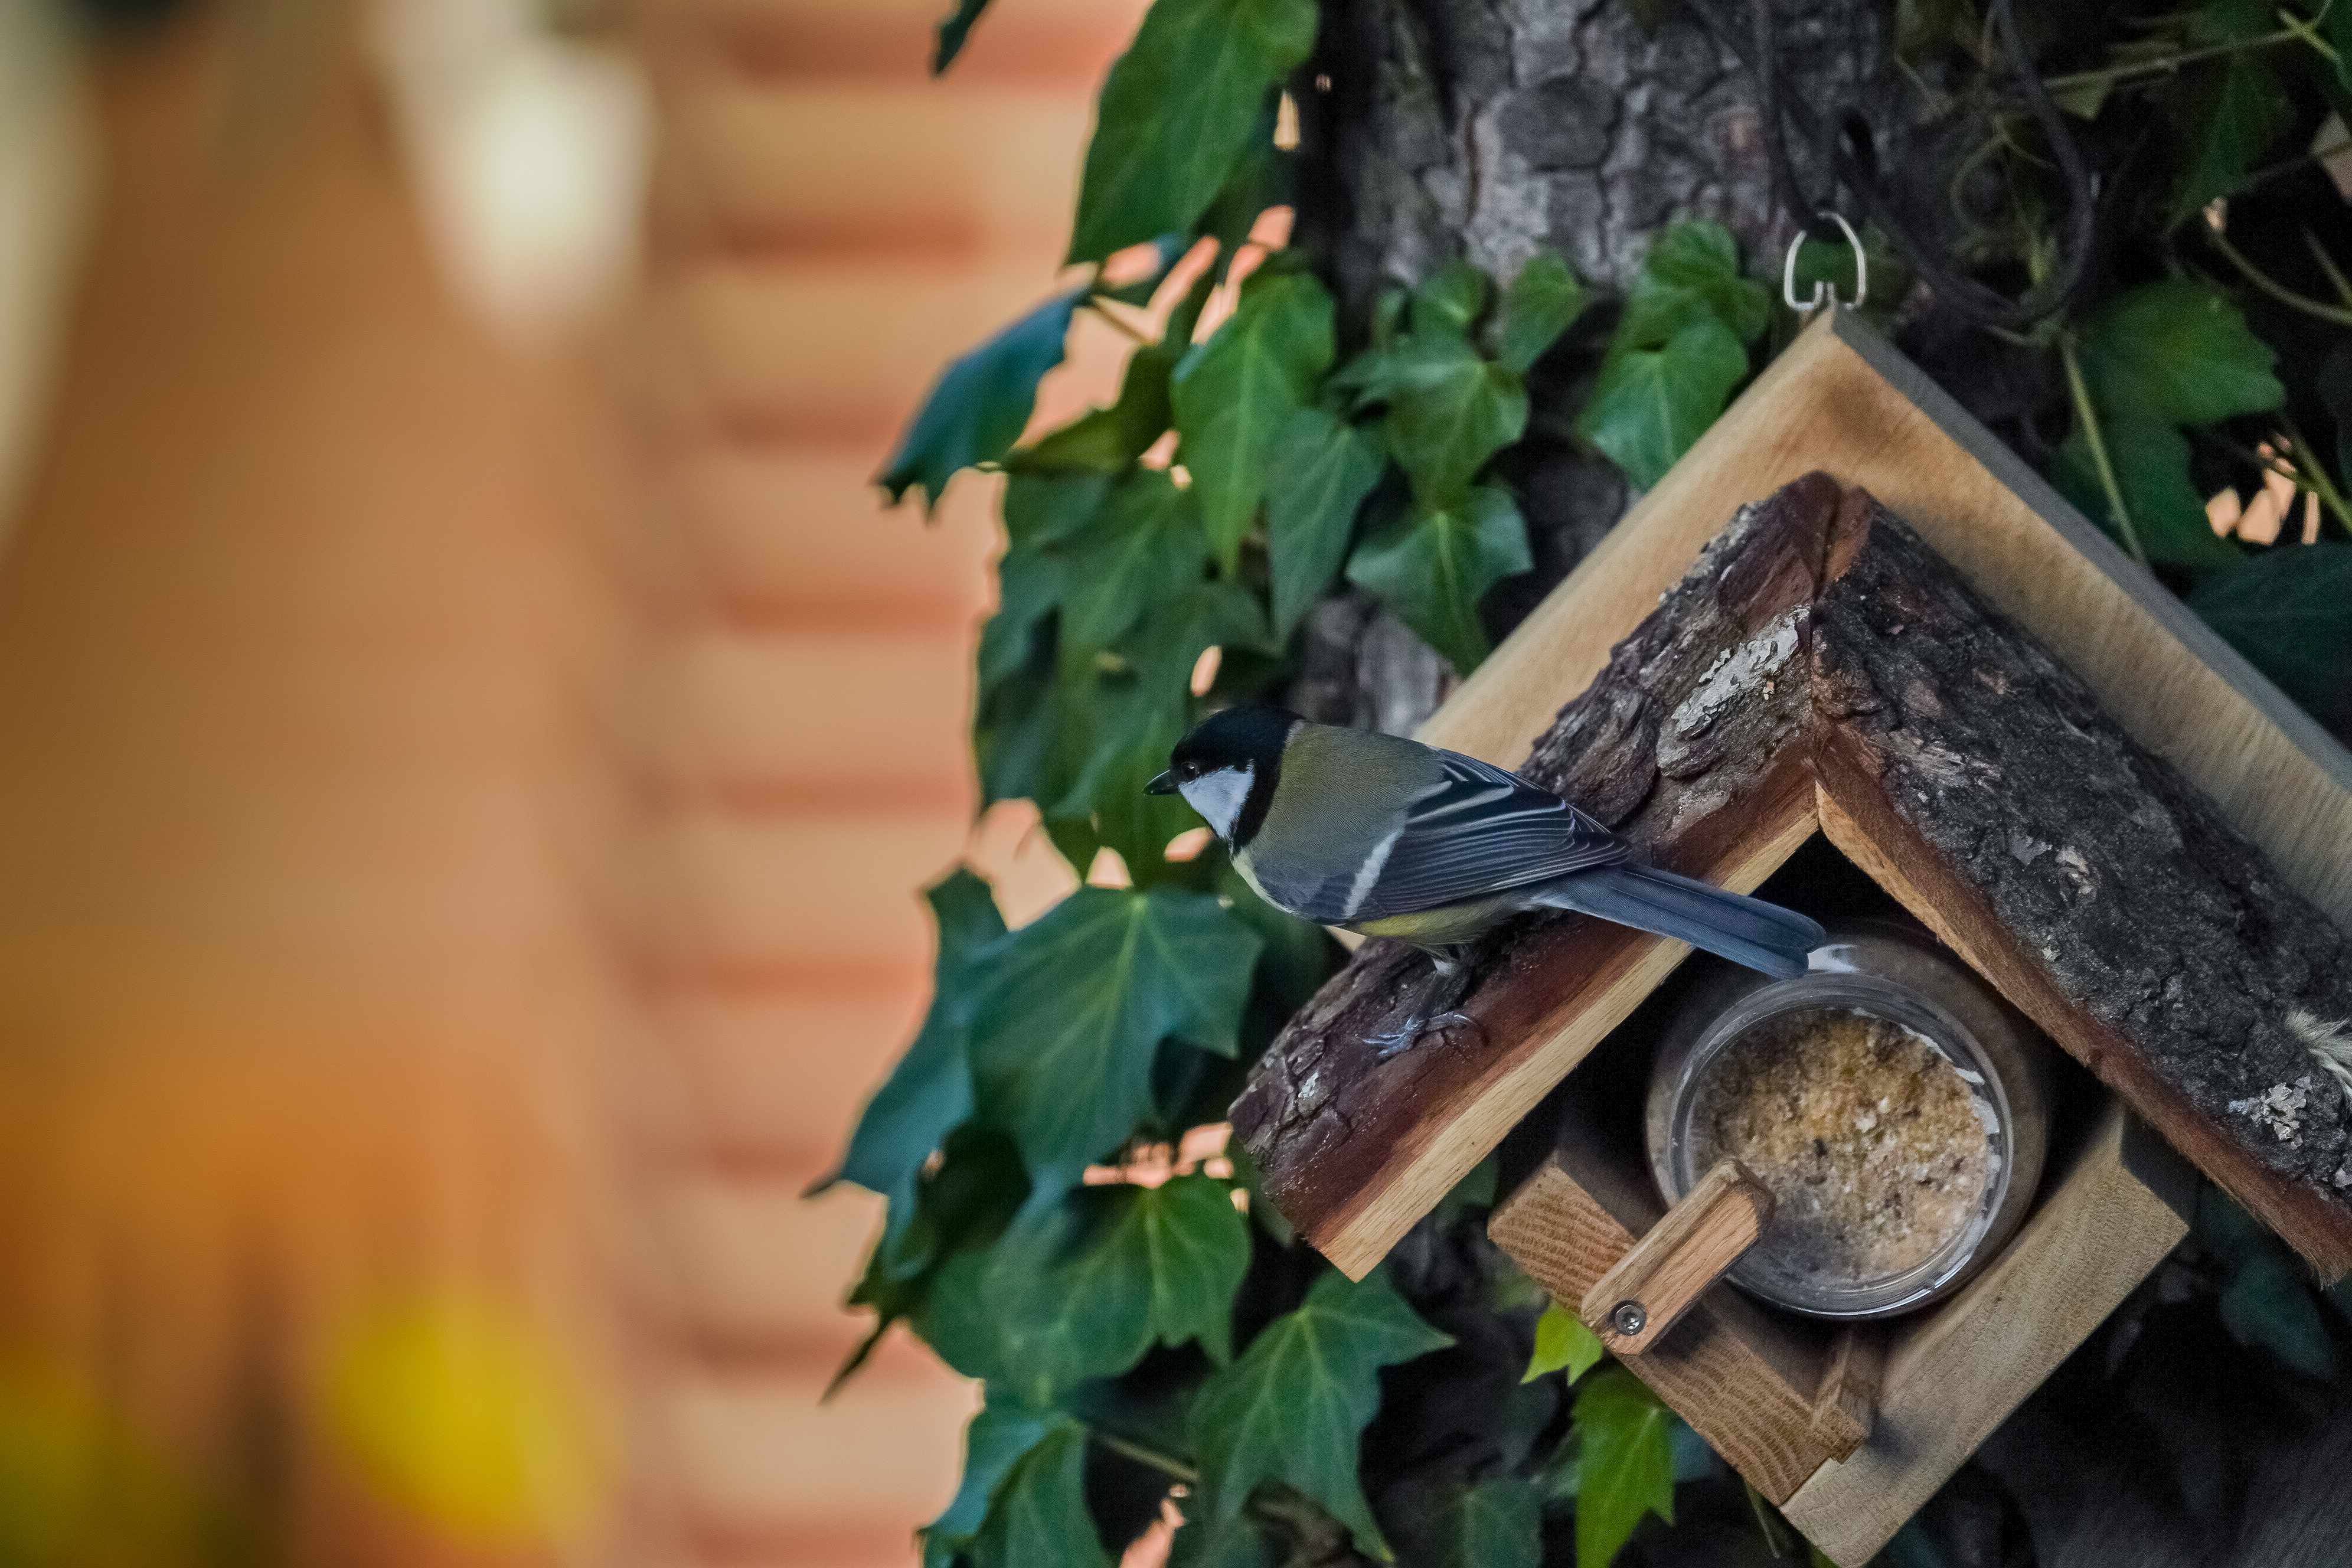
(1487,129)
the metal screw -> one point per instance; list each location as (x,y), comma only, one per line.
(1629,1318)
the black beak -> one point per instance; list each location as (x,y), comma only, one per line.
(1162,783)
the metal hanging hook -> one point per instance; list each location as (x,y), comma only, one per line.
(1823,293)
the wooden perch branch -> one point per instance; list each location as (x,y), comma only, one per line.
(1818,640)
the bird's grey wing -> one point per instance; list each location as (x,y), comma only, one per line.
(1481,830)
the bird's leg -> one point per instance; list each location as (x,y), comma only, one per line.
(1434,1010)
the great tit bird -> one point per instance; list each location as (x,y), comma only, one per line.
(1384,835)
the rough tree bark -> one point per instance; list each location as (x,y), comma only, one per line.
(1438,129)
(1818,635)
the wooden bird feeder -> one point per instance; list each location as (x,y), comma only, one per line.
(1851,633)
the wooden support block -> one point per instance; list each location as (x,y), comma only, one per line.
(1954,1373)
(1849,1384)
(1747,1380)
(1646,1291)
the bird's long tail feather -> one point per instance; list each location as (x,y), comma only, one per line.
(1746,930)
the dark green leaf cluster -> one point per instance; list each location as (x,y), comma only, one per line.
(1162,556)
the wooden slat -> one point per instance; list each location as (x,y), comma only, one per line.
(1842,400)
(735,898)
(781,719)
(1953,1374)
(916,169)
(751,1451)
(773,1080)
(802,537)
(747,1265)
(780,349)
(1746,1381)
(1064,43)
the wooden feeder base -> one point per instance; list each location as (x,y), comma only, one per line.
(1793,1405)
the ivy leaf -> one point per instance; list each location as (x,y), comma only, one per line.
(1498,1523)
(2289,610)
(1176,112)
(1562,1342)
(976,409)
(2237,107)
(1650,404)
(1434,566)
(2180,351)
(1080,1290)
(1001,1434)
(1321,470)
(1209,1539)
(1626,1466)
(1198,1245)
(1072,1009)
(1113,730)
(2150,460)
(1449,411)
(1106,440)
(1293,1407)
(1146,545)
(1450,300)
(957,1211)
(2241,110)
(1234,393)
(1040,1517)
(1543,302)
(1692,270)
(1043,510)
(954,27)
(928,1094)
(2268,1305)
(1029,588)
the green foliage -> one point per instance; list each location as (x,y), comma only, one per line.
(1234,393)
(1433,567)
(2150,461)
(1001,1434)
(1039,1517)
(2178,351)
(1321,469)
(954,27)
(2267,1301)
(1178,111)
(1626,1464)
(977,408)
(2169,353)
(1072,1009)
(928,1094)
(1679,351)
(2289,610)
(1498,1523)
(1111,1322)
(1563,1343)
(2240,108)
(1293,1407)
(1543,302)
(1450,409)
(1080,1288)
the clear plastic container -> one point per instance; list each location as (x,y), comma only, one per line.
(1941,1009)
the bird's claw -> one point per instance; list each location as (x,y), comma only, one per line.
(1391,1042)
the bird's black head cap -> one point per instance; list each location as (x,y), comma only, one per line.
(1250,736)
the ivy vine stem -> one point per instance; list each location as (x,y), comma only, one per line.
(2080,391)
(2336,315)
(2167,64)
(2313,475)
(1159,1460)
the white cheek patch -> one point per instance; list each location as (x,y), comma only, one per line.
(1219,797)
